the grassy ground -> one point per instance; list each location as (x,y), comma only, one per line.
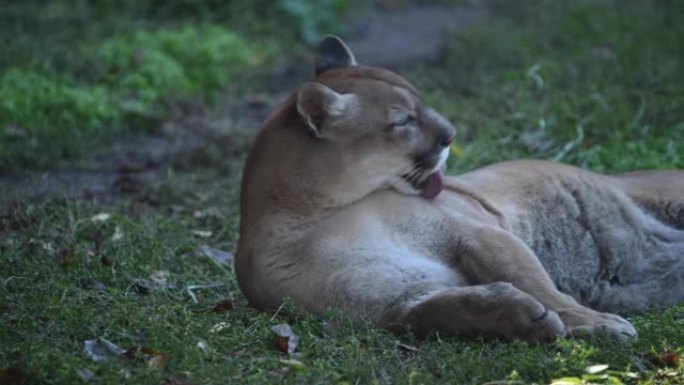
(586,82)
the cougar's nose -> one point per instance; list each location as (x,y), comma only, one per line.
(445,130)
(446,139)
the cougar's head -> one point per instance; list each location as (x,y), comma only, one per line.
(376,123)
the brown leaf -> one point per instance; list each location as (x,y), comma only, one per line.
(158,361)
(223,306)
(286,340)
(668,359)
(141,352)
(66,256)
(671,359)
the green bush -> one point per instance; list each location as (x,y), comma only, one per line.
(151,64)
(32,100)
(45,117)
(42,119)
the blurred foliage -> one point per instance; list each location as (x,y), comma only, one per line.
(42,117)
(315,18)
(76,73)
(594,83)
(49,116)
(164,62)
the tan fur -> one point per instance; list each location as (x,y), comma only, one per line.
(327,221)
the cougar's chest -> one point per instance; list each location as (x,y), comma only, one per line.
(430,228)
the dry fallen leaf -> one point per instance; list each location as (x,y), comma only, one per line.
(218,327)
(100,218)
(190,289)
(118,234)
(85,374)
(222,306)
(665,359)
(158,361)
(160,277)
(178,379)
(285,338)
(66,256)
(593,369)
(294,364)
(102,349)
(408,348)
(202,346)
(219,256)
(209,212)
(669,359)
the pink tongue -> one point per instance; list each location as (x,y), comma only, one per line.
(433,185)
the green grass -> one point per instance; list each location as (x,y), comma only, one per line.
(517,86)
(67,279)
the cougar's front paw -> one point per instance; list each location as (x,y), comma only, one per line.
(528,319)
(547,327)
(584,322)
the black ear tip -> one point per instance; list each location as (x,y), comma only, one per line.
(333,53)
(333,46)
(331,42)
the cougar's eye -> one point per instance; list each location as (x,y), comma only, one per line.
(408,119)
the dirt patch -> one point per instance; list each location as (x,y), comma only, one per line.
(196,137)
(396,38)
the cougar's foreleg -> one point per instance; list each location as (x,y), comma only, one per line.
(495,255)
(497,309)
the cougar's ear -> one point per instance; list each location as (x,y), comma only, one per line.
(333,53)
(316,103)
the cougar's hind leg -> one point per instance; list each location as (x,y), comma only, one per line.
(659,192)
(651,268)
(497,309)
